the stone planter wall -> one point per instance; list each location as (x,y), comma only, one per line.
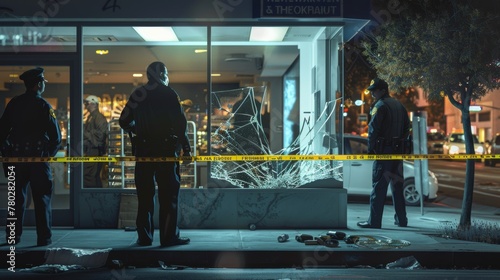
(265,208)
(321,205)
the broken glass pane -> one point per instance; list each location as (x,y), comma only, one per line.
(240,127)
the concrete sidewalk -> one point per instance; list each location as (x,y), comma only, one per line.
(237,248)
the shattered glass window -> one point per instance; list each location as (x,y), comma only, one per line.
(240,126)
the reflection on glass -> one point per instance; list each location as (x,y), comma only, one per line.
(31,38)
(291,106)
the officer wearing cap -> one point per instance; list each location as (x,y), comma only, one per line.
(95,136)
(29,128)
(388,129)
(154,115)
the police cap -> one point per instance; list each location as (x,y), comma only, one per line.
(378,84)
(33,75)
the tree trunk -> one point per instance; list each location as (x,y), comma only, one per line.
(465,218)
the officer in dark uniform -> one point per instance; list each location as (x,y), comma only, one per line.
(154,116)
(388,130)
(29,128)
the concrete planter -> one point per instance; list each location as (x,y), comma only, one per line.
(320,205)
(235,208)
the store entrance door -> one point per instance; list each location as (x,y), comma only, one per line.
(57,93)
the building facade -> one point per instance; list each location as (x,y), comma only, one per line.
(288,55)
(485,121)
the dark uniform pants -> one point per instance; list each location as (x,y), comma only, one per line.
(38,176)
(168,183)
(385,172)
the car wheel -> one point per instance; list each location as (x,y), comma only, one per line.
(410,193)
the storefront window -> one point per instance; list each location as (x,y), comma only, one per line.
(246,64)
(26,38)
(115,62)
(284,68)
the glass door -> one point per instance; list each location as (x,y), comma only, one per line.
(57,93)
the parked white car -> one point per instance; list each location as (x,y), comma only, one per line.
(358,174)
(455,144)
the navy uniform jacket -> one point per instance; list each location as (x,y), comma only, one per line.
(30,125)
(154,113)
(389,120)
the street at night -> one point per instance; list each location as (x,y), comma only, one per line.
(451,177)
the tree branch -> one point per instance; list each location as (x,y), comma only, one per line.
(454,102)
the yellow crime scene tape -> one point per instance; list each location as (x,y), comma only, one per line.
(246,158)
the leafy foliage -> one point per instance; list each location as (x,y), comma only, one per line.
(441,46)
(448,48)
(358,72)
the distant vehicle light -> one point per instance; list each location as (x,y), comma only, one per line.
(480,150)
(454,150)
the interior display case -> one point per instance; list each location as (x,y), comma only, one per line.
(120,174)
(188,172)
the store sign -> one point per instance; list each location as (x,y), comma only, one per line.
(300,8)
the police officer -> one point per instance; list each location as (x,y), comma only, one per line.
(29,128)
(155,116)
(388,129)
(95,134)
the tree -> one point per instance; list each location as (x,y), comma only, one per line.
(435,108)
(448,48)
(358,72)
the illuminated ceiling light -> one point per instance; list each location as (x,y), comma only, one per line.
(157,33)
(268,34)
(215,74)
(13,75)
(200,51)
(102,52)
(137,75)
